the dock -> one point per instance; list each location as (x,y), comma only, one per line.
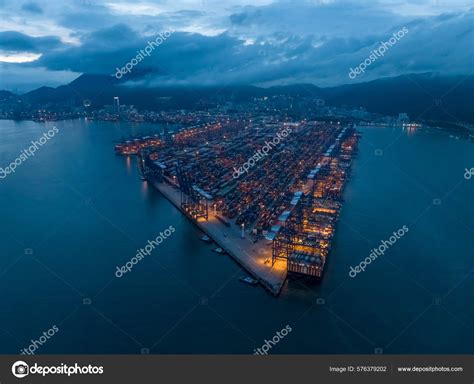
(249,255)
(267,193)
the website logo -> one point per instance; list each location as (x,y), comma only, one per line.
(20,369)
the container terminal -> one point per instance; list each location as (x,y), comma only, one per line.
(267,192)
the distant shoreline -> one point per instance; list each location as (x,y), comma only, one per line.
(466,131)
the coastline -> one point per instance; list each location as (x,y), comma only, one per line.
(250,256)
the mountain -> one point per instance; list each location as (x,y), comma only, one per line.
(84,87)
(43,95)
(6,96)
(427,97)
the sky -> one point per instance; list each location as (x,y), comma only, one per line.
(210,42)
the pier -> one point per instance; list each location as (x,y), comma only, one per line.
(268,193)
(251,256)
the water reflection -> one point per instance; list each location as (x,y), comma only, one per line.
(410,129)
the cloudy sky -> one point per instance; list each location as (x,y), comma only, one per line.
(262,42)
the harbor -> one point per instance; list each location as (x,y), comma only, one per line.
(268,193)
(159,292)
(249,255)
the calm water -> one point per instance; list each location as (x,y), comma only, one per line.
(83,210)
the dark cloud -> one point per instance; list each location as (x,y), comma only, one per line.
(32,7)
(18,42)
(87,17)
(279,43)
(338,19)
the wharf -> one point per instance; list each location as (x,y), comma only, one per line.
(251,256)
